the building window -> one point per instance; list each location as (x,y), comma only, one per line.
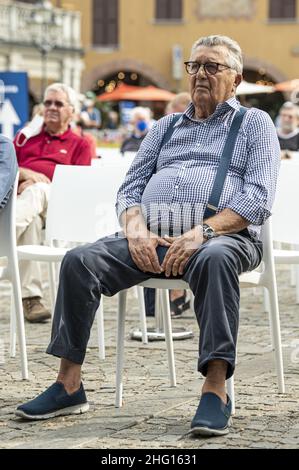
(282,9)
(169,10)
(105,23)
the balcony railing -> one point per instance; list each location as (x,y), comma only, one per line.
(15,18)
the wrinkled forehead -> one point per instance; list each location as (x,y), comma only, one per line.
(212,54)
(57,95)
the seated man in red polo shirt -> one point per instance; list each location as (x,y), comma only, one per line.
(55,143)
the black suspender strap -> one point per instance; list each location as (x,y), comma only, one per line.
(225,160)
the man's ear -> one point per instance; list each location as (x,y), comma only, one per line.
(238,80)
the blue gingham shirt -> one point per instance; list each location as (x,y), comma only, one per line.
(182,172)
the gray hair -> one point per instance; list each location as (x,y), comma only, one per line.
(290,106)
(234,50)
(71,94)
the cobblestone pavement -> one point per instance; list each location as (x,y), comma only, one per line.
(154,415)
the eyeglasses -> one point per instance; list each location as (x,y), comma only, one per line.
(57,104)
(210,68)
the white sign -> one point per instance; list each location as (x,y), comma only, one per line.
(8,119)
(177,62)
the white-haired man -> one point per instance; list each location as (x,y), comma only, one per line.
(217,162)
(55,143)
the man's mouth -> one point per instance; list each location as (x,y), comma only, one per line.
(202,86)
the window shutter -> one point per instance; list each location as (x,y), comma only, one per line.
(280,9)
(169,9)
(105,22)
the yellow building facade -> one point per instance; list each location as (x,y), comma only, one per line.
(145,44)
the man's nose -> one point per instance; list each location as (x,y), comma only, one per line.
(201,71)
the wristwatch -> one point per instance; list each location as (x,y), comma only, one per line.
(208,232)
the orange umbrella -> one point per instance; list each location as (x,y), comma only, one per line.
(118,93)
(149,93)
(290,85)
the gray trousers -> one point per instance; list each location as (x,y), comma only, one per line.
(106,267)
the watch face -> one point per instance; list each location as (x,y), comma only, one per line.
(208,232)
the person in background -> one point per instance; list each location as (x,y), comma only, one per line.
(78,128)
(288,130)
(91,116)
(39,149)
(177,297)
(140,123)
(113,120)
(8,169)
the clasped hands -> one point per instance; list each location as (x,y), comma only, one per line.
(143,245)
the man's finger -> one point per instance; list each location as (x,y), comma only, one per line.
(163,242)
(169,253)
(153,257)
(176,265)
(168,267)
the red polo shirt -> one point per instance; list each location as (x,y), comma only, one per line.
(44,151)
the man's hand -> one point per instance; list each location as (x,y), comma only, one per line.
(142,242)
(27,174)
(142,248)
(25,184)
(182,248)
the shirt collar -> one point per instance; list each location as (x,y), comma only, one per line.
(221,109)
(61,137)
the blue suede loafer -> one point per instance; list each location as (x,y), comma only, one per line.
(212,417)
(54,401)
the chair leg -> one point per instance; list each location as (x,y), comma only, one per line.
(13,327)
(158,311)
(15,277)
(230,385)
(101,331)
(52,284)
(275,326)
(120,346)
(142,314)
(266,300)
(168,335)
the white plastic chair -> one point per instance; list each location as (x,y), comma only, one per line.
(8,249)
(265,277)
(284,222)
(81,210)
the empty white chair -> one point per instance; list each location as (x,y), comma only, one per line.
(264,277)
(8,250)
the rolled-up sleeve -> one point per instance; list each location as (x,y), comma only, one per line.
(142,168)
(255,201)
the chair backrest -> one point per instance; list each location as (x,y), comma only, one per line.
(285,210)
(8,223)
(82,203)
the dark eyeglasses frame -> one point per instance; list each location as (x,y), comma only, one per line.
(205,66)
(58,104)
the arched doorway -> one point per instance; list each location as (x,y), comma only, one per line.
(107,76)
(132,72)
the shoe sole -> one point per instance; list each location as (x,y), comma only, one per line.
(40,319)
(71,410)
(204,431)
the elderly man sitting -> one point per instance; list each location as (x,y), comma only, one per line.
(176,169)
(54,143)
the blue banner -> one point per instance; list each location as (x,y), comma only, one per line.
(14,102)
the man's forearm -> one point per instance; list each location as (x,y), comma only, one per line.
(227,221)
(132,222)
